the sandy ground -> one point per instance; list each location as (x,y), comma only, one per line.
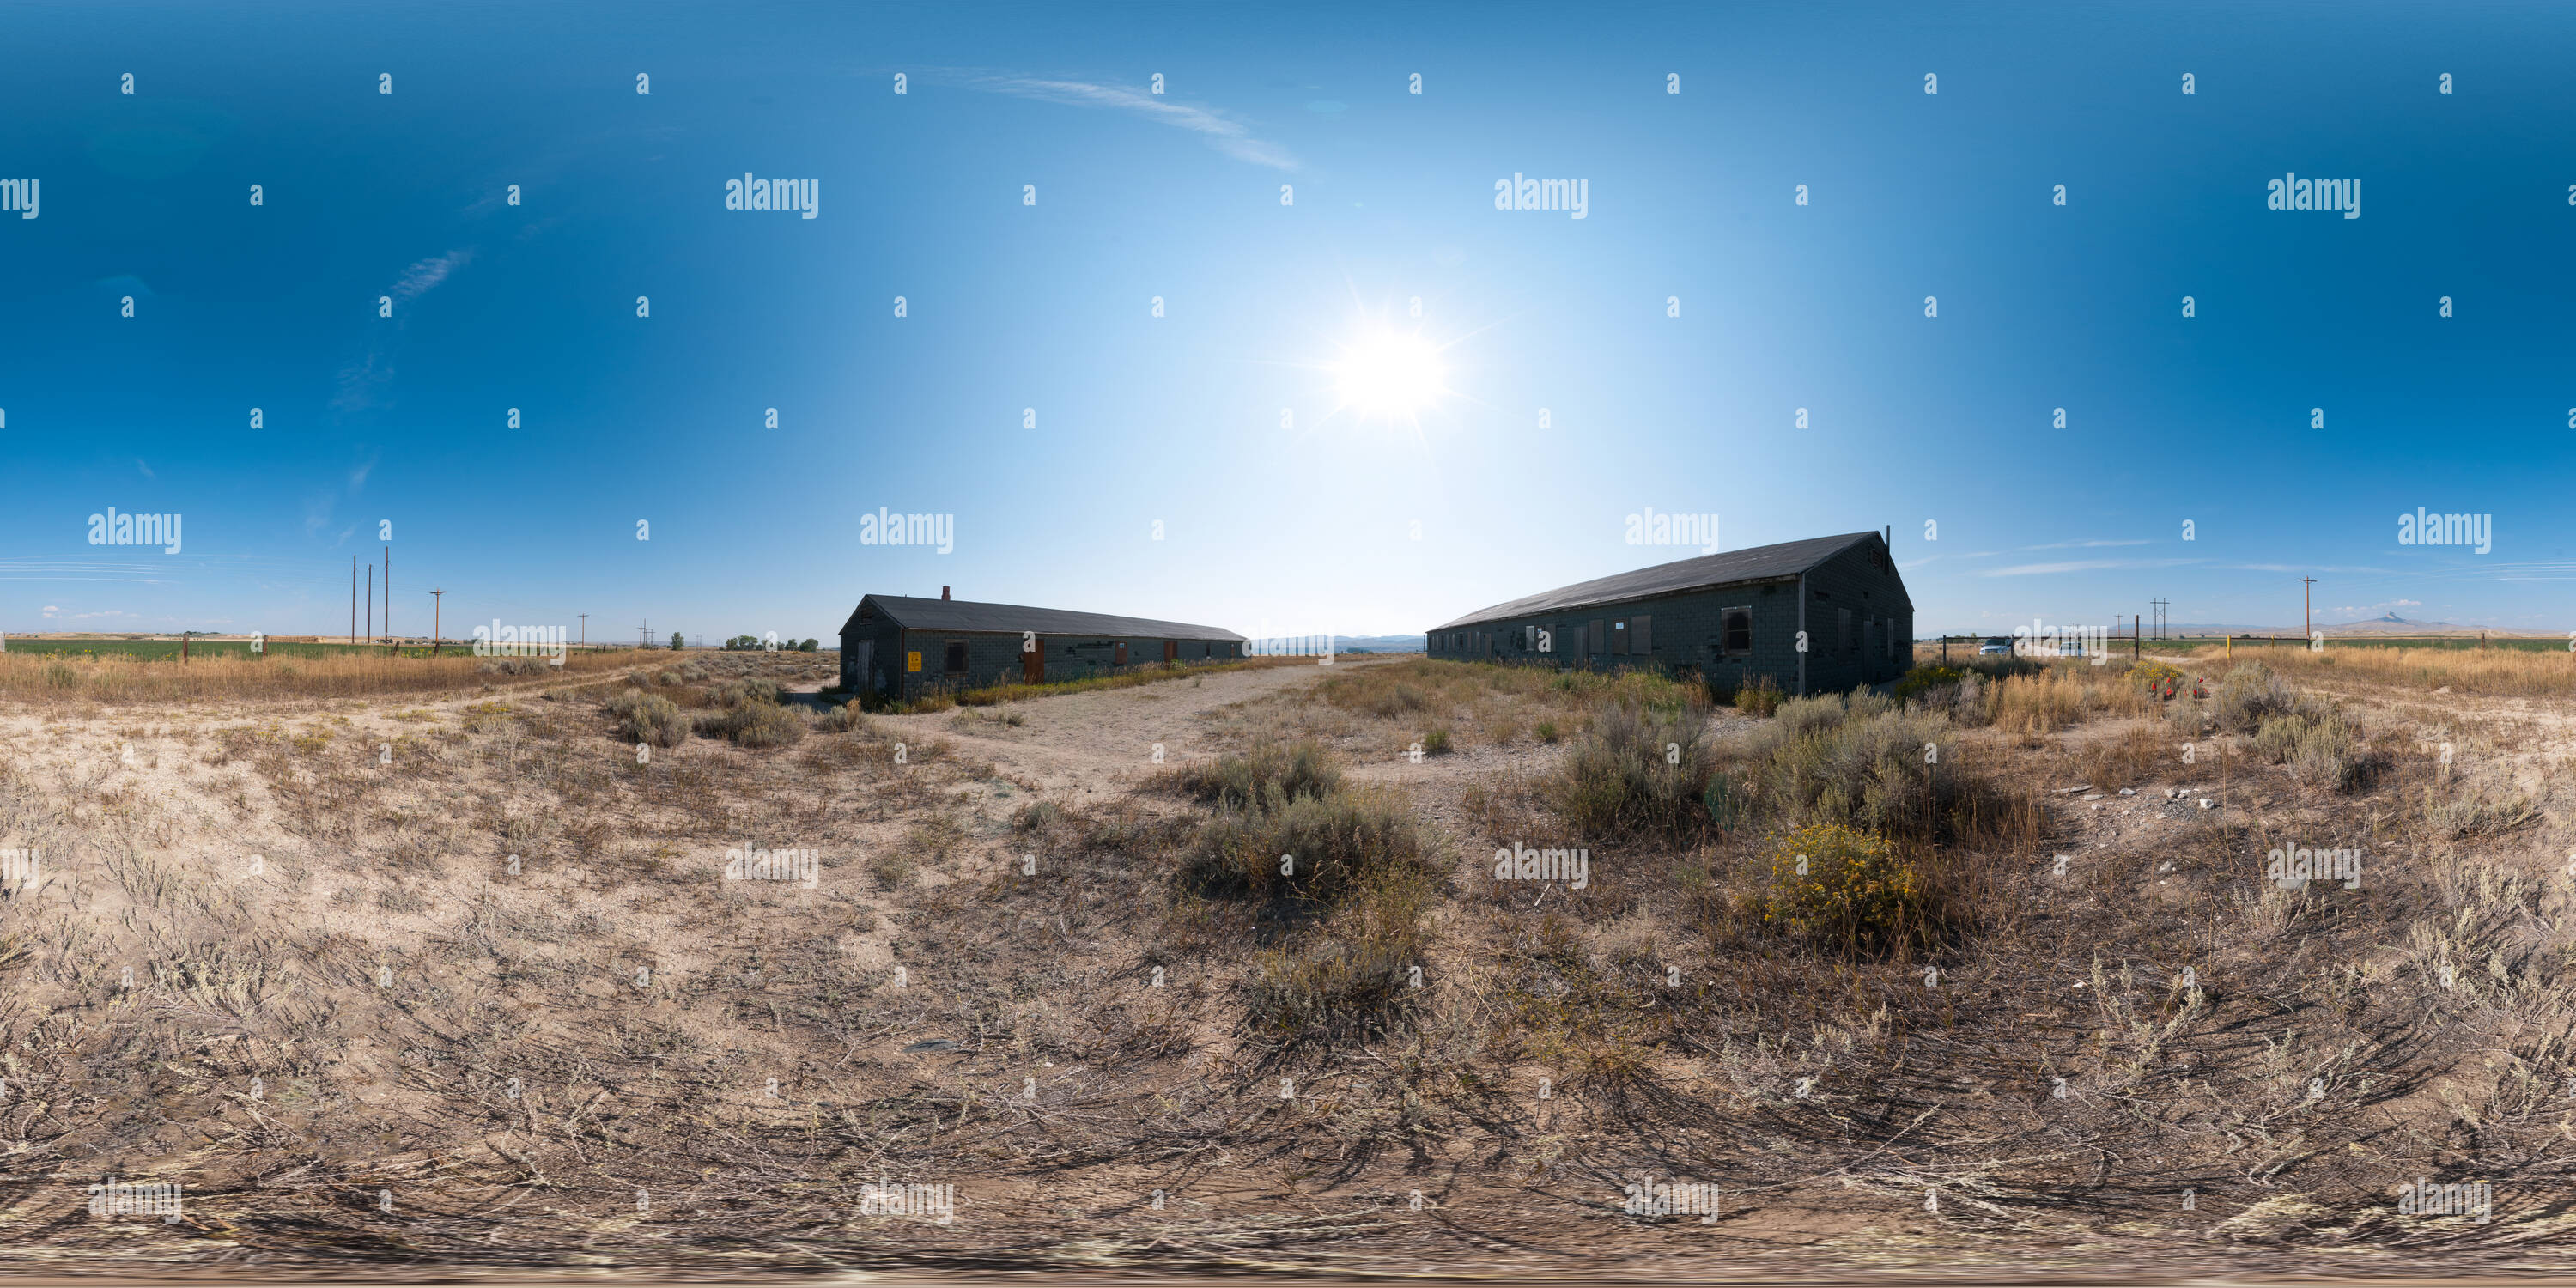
(642,879)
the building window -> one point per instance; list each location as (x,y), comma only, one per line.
(956,657)
(1735,631)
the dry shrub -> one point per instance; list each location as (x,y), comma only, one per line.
(1357,977)
(2130,756)
(2250,694)
(2319,745)
(1759,696)
(2035,704)
(647,717)
(754,723)
(1844,887)
(1858,761)
(1636,772)
(846,718)
(1297,770)
(1316,848)
(1922,679)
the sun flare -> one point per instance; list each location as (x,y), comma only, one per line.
(1389,374)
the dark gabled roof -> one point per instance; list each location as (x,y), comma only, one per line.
(1787,559)
(961,615)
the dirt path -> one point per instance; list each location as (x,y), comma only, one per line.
(1101,743)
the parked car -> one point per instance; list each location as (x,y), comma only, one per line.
(1994,646)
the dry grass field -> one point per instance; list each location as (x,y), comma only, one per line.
(653,965)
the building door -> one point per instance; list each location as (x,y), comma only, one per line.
(1118,654)
(862,668)
(1033,663)
(1171,650)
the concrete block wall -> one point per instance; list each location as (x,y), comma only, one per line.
(1685,630)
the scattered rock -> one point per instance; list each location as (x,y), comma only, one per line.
(2094,797)
(2128,791)
(2079,787)
(2207,803)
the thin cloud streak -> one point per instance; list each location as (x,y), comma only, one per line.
(1226,136)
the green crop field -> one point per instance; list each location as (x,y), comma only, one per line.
(2542,644)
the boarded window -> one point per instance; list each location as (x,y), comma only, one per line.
(1735,631)
(1642,639)
(956,657)
(1842,630)
(1595,642)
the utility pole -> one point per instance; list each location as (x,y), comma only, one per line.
(434,618)
(2307,611)
(2160,604)
(371,603)
(389,598)
(353,599)
(585,630)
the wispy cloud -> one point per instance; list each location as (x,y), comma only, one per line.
(1223,133)
(2087,545)
(360,379)
(424,274)
(147,470)
(2082,565)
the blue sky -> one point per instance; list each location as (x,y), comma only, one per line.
(1341,519)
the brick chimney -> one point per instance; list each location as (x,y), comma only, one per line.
(943,592)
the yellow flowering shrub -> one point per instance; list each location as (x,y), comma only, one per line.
(1842,883)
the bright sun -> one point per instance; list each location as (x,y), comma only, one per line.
(1389,374)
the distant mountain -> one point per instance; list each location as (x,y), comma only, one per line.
(2392,624)
(1377,644)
